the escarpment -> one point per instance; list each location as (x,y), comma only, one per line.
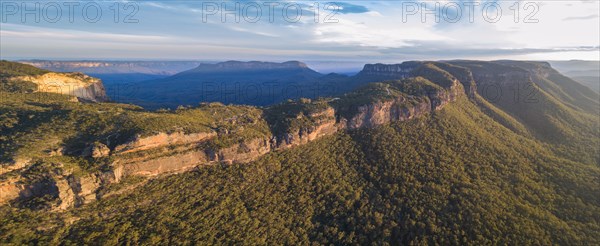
(414,92)
(380,113)
(292,124)
(401,70)
(73,84)
(162,139)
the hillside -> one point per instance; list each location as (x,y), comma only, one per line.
(424,155)
(585,72)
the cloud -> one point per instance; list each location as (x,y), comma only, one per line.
(588,17)
(266,34)
(366,31)
(36,33)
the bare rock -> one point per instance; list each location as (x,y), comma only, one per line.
(96,150)
(65,194)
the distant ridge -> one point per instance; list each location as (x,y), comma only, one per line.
(114,67)
(253,82)
(239,65)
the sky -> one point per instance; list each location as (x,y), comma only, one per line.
(346,31)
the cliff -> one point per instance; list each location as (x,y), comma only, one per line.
(74,84)
(290,124)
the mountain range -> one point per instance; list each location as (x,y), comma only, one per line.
(250,83)
(423,152)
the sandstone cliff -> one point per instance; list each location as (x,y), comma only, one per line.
(74,84)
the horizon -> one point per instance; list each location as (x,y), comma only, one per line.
(342,67)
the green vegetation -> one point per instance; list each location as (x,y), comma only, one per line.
(411,90)
(572,131)
(12,69)
(456,177)
(417,86)
(33,125)
(435,74)
(483,170)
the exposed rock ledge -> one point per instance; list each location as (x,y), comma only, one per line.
(72,84)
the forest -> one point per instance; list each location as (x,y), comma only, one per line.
(476,172)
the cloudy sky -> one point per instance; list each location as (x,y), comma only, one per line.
(351,31)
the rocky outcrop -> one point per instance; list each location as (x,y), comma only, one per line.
(96,150)
(190,157)
(74,84)
(68,189)
(17,164)
(324,124)
(381,113)
(161,165)
(10,190)
(65,194)
(74,190)
(162,139)
(17,189)
(242,152)
(86,187)
(463,75)
(441,98)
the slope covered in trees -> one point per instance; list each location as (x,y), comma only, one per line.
(455,177)
(482,170)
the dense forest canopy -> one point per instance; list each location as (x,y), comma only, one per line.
(477,171)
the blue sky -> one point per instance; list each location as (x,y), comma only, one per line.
(348,31)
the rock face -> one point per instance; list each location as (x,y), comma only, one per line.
(162,139)
(443,97)
(381,113)
(9,190)
(74,190)
(65,194)
(160,165)
(324,124)
(245,151)
(74,84)
(463,75)
(18,189)
(69,190)
(96,150)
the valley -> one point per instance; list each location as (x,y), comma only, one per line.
(458,152)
